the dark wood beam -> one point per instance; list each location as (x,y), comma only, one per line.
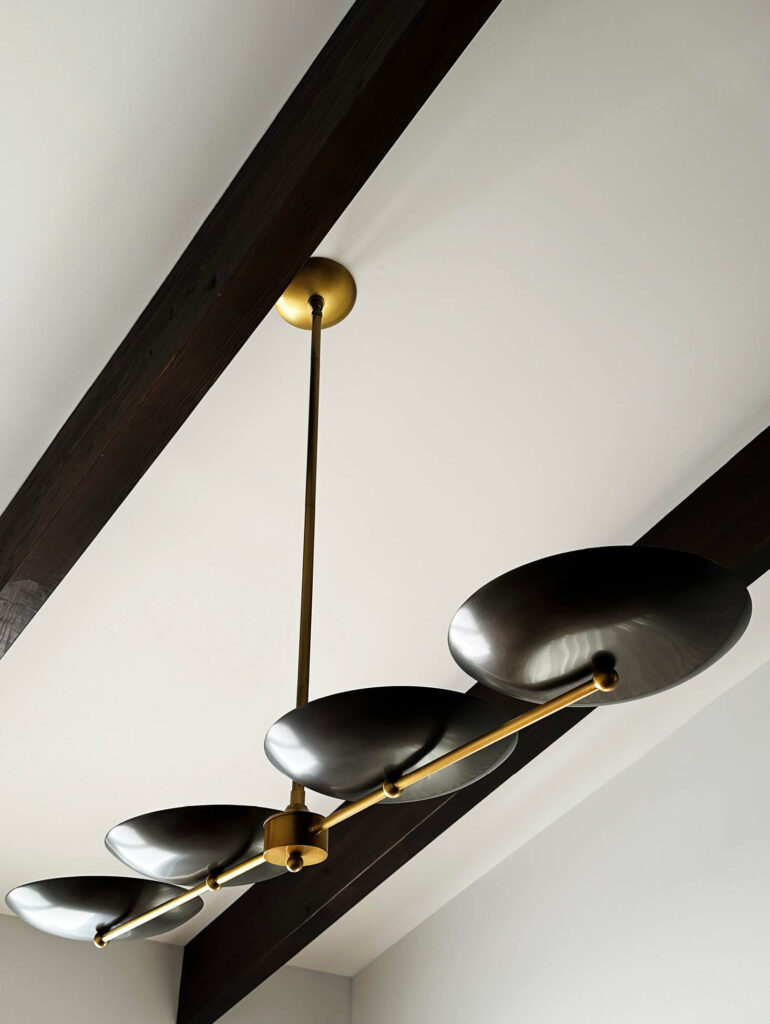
(727,519)
(366,85)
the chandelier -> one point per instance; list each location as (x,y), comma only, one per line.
(594,627)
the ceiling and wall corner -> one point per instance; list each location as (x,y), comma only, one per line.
(44,979)
(292,995)
(648,901)
(561,330)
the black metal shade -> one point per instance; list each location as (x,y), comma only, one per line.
(79,907)
(348,744)
(185,844)
(658,616)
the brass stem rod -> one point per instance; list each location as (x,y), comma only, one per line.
(308,550)
(212,884)
(306,605)
(535,714)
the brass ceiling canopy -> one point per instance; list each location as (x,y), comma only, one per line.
(595,626)
(324,277)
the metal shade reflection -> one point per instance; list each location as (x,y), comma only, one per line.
(348,744)
(79,907)
(185,844)
(659,617)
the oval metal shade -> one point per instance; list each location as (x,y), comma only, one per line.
(185,844)
(658,616)
(348,744)
(78,908)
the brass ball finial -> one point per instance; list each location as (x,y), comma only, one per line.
(606,680)
(212,884)
(390,789)
(99,942)
(295,862)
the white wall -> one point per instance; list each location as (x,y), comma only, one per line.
(294,995)
(44,979)
(647,902)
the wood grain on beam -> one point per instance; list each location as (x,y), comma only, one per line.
(727,519)
(366,85)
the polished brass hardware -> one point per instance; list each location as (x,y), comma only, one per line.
(316,304)
(306,602)
(298,838)
(102,939)
(211,884)
(239,869)
(293,839)
(322,293)
(606,681)
(319,276)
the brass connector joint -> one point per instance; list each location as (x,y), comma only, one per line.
(293,841)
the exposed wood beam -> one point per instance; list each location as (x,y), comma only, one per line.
(727,519)
(363,89)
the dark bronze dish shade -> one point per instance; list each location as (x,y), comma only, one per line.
(348,744)
(78,908)
(185,844)
(657,616)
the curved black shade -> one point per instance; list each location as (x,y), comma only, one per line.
(348,744)
(185,844)
(79,907)
(658,616)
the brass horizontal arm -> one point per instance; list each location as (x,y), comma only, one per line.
(601,681)
(212,884)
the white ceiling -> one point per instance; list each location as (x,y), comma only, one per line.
(561,329)
(121,125)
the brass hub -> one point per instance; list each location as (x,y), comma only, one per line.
(290,841)
(324,277)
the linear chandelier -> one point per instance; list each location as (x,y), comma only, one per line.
(597,626)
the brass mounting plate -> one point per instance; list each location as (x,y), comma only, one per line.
(292,833)
(324,277)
